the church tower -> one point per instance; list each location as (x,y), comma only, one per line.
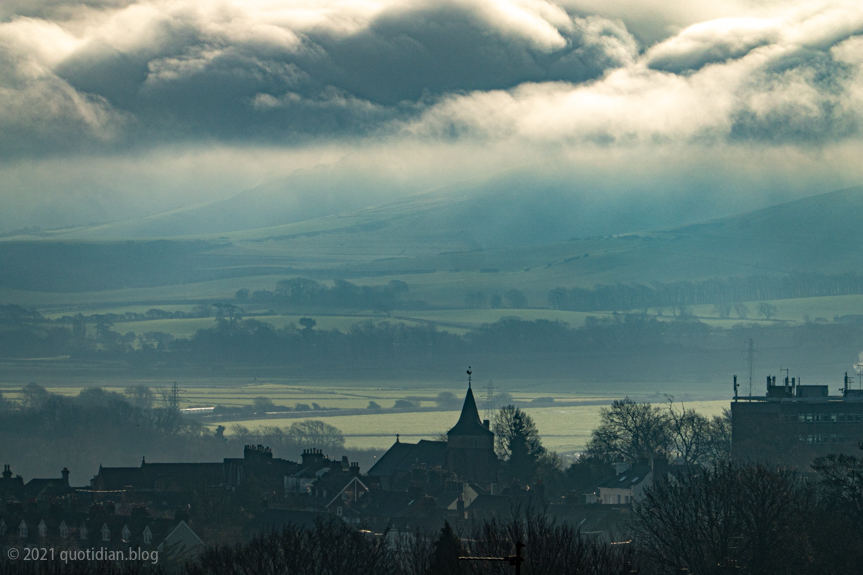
(470,444)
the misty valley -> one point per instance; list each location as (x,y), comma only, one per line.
(602,402)
(476,287)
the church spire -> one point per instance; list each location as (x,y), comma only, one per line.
(469,422)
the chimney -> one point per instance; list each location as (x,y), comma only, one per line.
(7,472)
(486,423)
(355,468)
(65,475)
(345,464)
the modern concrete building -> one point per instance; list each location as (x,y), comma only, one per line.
(792,424)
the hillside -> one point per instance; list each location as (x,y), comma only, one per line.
(443,246)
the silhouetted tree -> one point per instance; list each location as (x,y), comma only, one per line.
(518,443)
(710,520)
(629,431)
(515,299)
(447,550)
(767,310)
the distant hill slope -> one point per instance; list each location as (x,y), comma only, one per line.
(457,242)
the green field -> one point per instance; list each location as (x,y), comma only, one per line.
(788,312)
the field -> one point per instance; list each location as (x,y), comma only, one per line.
(788,312)
(565,428)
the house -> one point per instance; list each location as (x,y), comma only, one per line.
(98,529)
(313,466)
(167,478)
(627,485)
(258,461)
(37,490)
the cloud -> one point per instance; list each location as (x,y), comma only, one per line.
(787,80)
(445,91)
(283,72)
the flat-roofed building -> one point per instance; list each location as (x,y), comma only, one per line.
(792,424)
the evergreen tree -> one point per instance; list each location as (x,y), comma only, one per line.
(447,550)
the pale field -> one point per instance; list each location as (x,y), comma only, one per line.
(330,394)
(563,429)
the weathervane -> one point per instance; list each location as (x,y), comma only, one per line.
(468,376)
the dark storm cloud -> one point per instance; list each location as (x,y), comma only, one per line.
(183,70)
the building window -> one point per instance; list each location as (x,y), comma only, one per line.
(148,536)
(43,529)
(344,495)
(22,530)
(106,533)
(64,530)
(339,511)
(125,533)
(83,531)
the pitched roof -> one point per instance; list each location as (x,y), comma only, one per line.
(627,479)
(469,422)
(403,456)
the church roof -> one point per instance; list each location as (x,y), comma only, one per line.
(469,422)
(403,456)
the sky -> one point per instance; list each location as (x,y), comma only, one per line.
(114,109)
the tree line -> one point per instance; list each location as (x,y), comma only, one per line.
(342,294)
(654,348)
(43,432)
(674,295)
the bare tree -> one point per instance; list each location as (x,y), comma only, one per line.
(767,310)
(630,431)
(729,516)
(723,310)
(140,396)
(551,548)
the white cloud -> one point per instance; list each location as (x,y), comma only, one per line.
(767,72)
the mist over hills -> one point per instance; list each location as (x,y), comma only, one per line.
(504,237)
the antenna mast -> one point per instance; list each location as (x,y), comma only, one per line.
(750,358)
